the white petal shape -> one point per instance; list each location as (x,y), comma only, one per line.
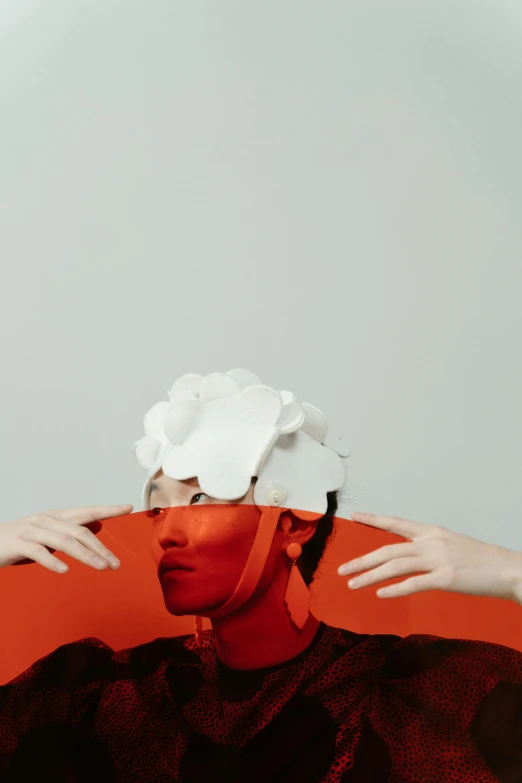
(181,419)
(217,385)
(287,396)
(244,378)
(154,420)
(338,445)
(307,471)
(263,403)
(165,450)
(229,439)
(291,418)
(180,463)
(186,387)
(226,428)
(315,424)
(147,451)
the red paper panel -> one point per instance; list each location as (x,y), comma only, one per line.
(41,610)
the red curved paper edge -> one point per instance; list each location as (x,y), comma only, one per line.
(40,610)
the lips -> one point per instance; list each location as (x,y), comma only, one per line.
(168,563)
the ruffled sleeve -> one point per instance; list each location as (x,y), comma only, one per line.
(47,715)
(451,710)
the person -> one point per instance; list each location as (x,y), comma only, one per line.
(242,488)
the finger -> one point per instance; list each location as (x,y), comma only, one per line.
(379,556)
(416,584)
(88,549)
(405,565)
(94,527)
(401,527)
(35,553)
(69,546)
(83,516)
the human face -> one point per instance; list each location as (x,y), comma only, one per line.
(203,542)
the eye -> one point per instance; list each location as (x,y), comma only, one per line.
(157,511)
(198,497)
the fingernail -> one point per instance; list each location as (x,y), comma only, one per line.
(114,562)
(62,568)
(344,569)
(354,583)
(99,563)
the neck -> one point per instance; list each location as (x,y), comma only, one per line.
(260,633)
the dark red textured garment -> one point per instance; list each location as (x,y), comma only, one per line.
(352,708)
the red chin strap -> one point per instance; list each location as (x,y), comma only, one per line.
(255,563)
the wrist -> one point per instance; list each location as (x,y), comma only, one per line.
(516,578)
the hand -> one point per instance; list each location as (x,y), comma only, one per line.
(441,559)
(31,538)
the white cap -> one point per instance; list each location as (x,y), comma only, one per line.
(226,428)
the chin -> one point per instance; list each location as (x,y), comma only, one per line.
(178,606)
(182,604)
(185,594)
(177,609)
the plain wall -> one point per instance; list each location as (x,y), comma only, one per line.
(327,193)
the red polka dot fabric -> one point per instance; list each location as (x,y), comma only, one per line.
(352,708)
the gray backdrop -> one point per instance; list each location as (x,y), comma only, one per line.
(327,193)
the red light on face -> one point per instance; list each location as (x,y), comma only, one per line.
(126,607)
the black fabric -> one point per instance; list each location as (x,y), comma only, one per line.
(349,709)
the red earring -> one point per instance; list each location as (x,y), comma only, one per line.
(297,596)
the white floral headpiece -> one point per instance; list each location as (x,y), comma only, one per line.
(226,428)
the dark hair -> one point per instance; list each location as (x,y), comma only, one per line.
(313,550)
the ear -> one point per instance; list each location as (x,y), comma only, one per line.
(296,530)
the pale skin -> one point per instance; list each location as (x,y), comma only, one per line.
(62,530)
(438,559)
(259,633)
(256,635)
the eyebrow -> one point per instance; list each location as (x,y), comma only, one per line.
(153,488)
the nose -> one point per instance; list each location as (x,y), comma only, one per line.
(171,529)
